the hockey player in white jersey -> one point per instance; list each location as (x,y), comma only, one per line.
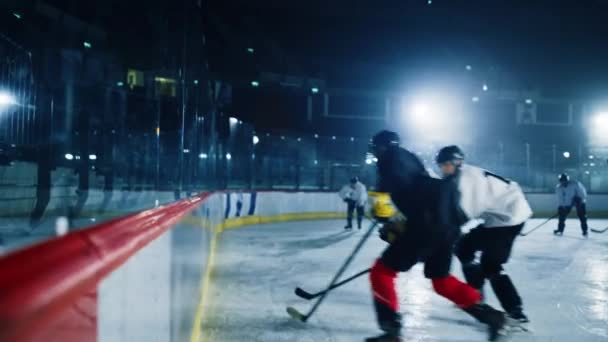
(502,206)
(570,193)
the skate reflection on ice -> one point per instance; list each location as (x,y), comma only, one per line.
(597,297)
(415,297)
(599,292)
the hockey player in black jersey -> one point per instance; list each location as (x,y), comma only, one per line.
(426,239)
(502,206)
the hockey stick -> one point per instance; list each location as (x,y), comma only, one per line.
(599,231)
(540,225)
(308,296)
(304,317)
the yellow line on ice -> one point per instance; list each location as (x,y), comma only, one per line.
(195,335)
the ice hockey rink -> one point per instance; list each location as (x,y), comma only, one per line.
(562,280)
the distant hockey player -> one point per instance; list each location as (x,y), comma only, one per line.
(355,196)
(425,239)
(571,193)
(503,207)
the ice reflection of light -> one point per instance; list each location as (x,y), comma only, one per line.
(414,299)
(598,276)
(593,308)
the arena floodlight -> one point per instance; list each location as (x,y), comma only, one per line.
(7,99)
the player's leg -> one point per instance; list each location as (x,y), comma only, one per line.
(562,213)
(349,214)
(360,213)
(437,268)
(496,253)
(398,257)
(465,250)
(581,212)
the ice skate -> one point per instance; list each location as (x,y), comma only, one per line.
(518,320)
(494,319)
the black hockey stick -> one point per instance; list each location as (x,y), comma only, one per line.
(304,317)
(540,225)
(599,231)
(308,296)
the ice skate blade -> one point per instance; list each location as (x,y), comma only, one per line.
(513,325)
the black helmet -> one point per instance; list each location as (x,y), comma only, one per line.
(564,178)
(449,153)
(354,180)
(385,138)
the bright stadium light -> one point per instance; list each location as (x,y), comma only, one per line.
(598,126)
(566,154)
(233,121)
(203,156)
(92,157)
(69,156)
(7,99)
(420,109)
(422,116)
(485,87)
(228,156)
(591,156)
(370,159)
(601,121)
(529,101)
(256,140)
(429,116)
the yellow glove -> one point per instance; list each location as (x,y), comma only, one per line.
(382,208)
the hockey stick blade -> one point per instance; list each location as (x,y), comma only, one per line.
(295,314)
(599,230)
(303,294)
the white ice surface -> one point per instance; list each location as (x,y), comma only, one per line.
(563,282)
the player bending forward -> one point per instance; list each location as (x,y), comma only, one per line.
(501,204)
(425,239)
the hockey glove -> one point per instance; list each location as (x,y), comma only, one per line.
(391,230)
(382,209)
